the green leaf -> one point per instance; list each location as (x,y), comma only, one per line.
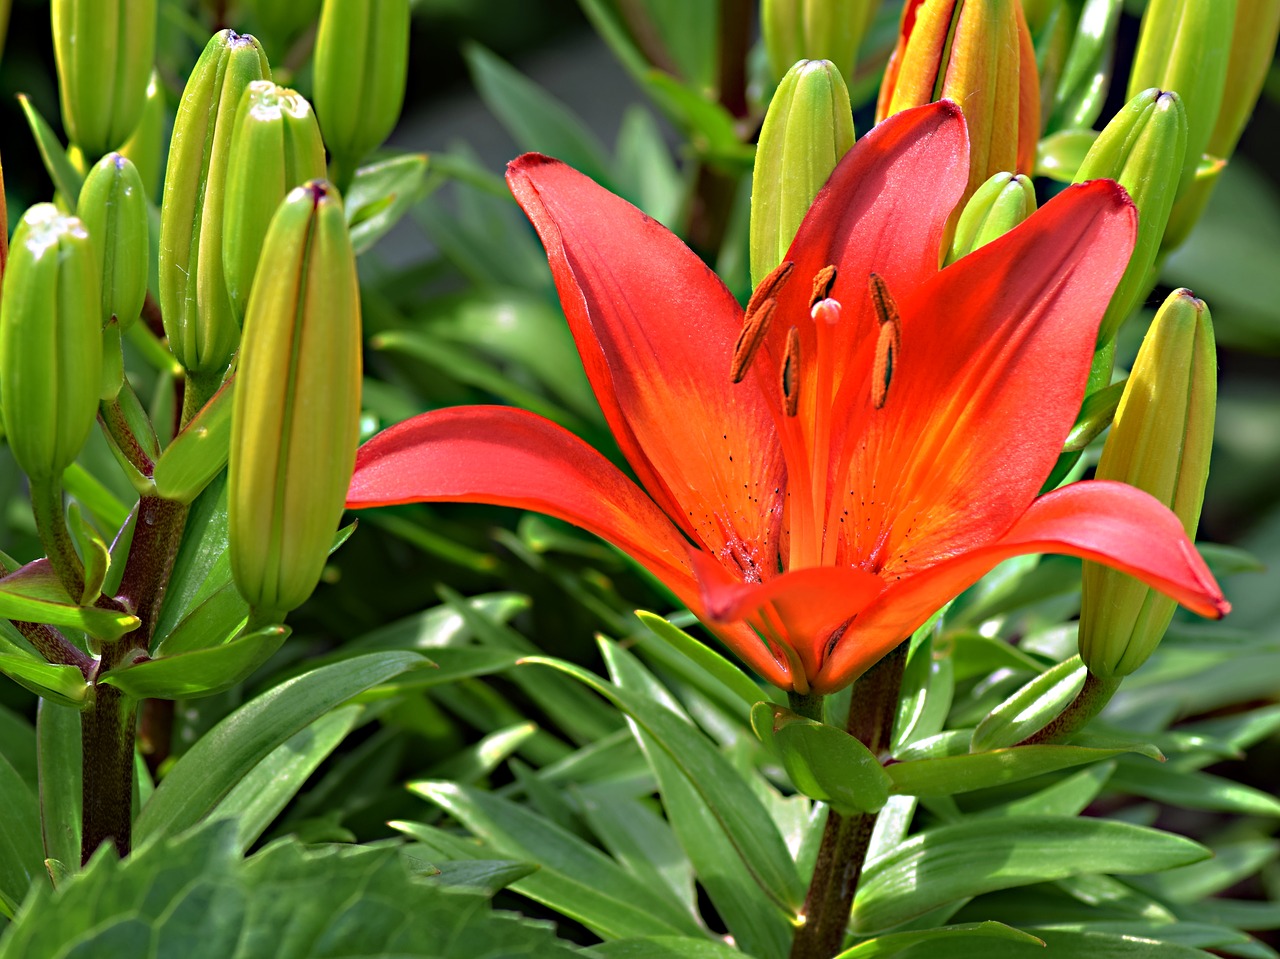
(949,863)
(590,887)
(21,858)
(380,195)
(93,553)
(646,169)
(478,760)
(213,622)
(62,684)
(61,780)
(726,794)
(824,763)
(199,452)
(487,876)
(202,672)
(1192,790)
(1031,708)
(1069,796)
(203,565)
(255,801)
(1232,863)
(108,510)
(196,898)
(704,657)
(957,774)
(211,768)
(438,626)
(66,178)
(710,127)
(896,942)
(1096,414)
(1224,560)
(976,655)
(1060,944)
(663,947)
(34,594)
(535,119)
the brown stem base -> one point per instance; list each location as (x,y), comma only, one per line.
(107,733)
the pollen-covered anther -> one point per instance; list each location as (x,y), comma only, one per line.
(769,287)
(888,342)
(823,281)
(791,373)
(754,327)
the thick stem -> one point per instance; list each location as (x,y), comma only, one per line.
(809,705)
(51,525)
(197,391)
(843,851)
(1091,700)
(56,648)
(735,43)
(108,726)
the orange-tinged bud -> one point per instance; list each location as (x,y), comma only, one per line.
(979,54)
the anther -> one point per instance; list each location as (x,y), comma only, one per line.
(769,287)
(791,373)
(823,281)
(888,343)
(754,327)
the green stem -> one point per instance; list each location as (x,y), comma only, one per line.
(108,726)
(809,705)
(845,839)
(51,525)
(1091,700)
(199,390)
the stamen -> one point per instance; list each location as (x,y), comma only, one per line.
(769,287)
(791,373)
(754,327)
(889,342)
(822,283)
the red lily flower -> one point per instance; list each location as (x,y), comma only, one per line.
(892,425)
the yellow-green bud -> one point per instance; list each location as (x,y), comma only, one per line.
(1159,442)
(1000,204)
(113,208)
(104,50)
(807,129)
(198,318)
(275,147)
(145,147)
(1253,44)
(361,65)
(296,411)
(1142,149)
(814,30)
(50,341)
(1183,46)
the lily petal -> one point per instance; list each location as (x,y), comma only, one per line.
(994,355)
(656,330)
(511,457)
(1100,520)
(803,609)
(883,211)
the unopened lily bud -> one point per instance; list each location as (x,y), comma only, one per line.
(1142,149)
(113,208)
(814,30)
(1079,83)
(361,65)
(1183,46)
(275,147)
(1253,43)
(1000,204)
(1160,442)
(50,341)
(104,50)
(979,54)
(295,417)
(807,129)
(145,147)
(198,318)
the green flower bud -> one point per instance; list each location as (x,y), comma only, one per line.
(104,50)
(807,129)
(50,341)
(198,318)
(295,415)
(145,147)
(1160,443)
(361,64)
(1253,43)
(1183,46)
(814,30)
(1000,204)
(1141,148)
(113,208)
(275,146)
(1079,88)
